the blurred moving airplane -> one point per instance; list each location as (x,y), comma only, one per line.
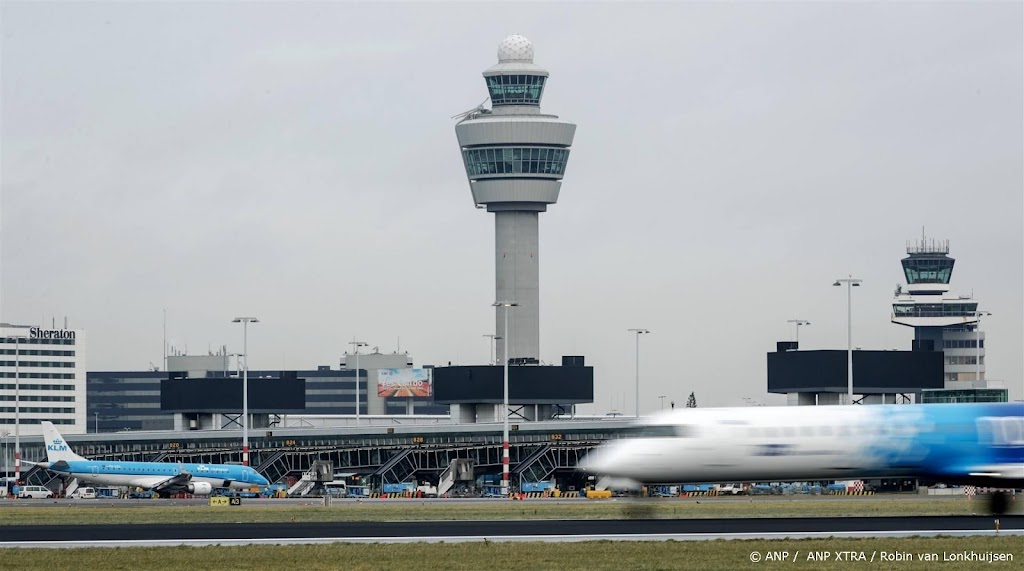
(978,444)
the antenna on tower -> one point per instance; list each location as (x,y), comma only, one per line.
(478,109)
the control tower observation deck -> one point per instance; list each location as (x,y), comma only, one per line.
(515,159)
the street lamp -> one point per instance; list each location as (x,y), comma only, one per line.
(977,345)
(492,338)
(798,323)
(662,397)
(7,466)
(355,346)
(850,282)
(638,332)
(504,429)
(17,408)
(245,321)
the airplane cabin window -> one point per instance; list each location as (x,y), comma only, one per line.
(655,431)
(685,431)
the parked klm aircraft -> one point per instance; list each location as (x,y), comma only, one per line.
(973,444)
(164,478)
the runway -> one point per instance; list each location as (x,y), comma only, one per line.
(505,530)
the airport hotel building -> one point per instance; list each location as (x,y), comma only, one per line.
(43,370)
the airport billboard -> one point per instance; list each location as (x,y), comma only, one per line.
(218,395)
(527,384)
(874,372)
(404,383)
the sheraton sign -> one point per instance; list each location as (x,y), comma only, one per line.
(37,333)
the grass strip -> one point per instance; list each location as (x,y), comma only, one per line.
(589,556)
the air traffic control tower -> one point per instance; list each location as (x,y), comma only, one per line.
(515,159)
(942,321)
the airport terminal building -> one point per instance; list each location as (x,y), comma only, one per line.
(204,392)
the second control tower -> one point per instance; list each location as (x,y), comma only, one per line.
(515,159)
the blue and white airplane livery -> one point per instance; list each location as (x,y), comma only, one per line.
(164,478)
(980,444)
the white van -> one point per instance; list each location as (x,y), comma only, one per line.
(34,492)
(729,489)
(84,493)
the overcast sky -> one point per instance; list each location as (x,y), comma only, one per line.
(297,162)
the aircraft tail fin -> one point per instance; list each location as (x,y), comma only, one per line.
(56,448)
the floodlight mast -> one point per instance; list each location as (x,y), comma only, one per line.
(851,282)
(245,321)
(504,402)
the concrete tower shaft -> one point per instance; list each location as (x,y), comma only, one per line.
(515,158)
(517,278)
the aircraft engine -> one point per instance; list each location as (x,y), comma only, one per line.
(199,488)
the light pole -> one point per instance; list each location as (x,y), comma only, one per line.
(97,423)
(850,282)
(798,323)
(355,347)
(7,451)
(977,345)
(504,429)
(638,332)
(662,397)
(17,408)
(245,321)
(492,338)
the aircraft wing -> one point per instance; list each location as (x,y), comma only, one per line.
(162,484)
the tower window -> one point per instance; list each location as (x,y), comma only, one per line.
(481,163)
(515,89)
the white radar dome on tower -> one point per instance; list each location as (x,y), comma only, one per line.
(515,48)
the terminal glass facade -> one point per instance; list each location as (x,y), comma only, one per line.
(497,161)
(515,89)
(126,401)
(965,395)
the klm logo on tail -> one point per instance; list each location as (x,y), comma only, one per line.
(57,445)
(57,449)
